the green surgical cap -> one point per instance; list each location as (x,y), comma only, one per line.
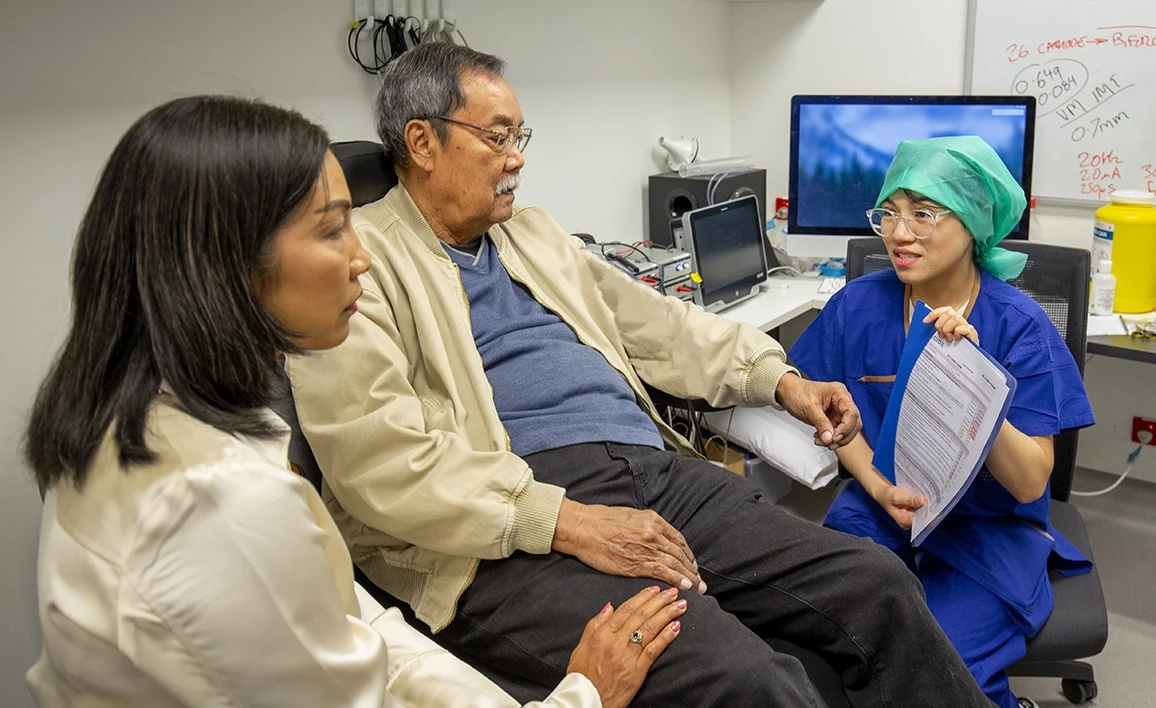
(965,175)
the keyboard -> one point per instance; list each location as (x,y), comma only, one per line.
(829,285)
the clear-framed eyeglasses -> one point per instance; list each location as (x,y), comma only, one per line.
(511,136)
(920,223)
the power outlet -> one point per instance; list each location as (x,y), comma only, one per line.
(1140,424)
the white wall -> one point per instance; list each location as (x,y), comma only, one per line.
(901,47)
(782,49)
(599,81)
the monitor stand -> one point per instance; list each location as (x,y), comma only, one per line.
(814,247)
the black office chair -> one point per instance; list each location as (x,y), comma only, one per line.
(367,172)
(1057,278)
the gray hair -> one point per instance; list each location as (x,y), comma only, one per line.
(421,84)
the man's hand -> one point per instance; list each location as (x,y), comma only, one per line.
(824,405)
(622,541)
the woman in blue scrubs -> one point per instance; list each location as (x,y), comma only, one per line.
(944,205)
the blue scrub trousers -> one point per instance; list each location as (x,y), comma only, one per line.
(977,622)
(974,618)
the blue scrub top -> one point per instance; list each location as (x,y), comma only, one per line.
(1000,543)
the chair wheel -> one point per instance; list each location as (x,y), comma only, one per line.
(1079,692)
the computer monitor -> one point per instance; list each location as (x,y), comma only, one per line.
(841,147)
(728,251)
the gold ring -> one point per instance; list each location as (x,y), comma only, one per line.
(636,638)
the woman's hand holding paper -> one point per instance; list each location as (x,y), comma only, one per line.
(899,503)
(951,325)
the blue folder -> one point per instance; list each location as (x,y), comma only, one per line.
(918,336)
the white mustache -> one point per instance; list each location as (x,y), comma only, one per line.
(508,184)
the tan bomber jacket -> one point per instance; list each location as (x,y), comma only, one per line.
(417,464)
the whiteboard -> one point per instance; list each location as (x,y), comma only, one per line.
(1091,64)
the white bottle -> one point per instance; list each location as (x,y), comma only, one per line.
(1103,289)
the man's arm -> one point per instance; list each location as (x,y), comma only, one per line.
(367,428)
(687,352)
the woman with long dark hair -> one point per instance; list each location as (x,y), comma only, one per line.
(181,562)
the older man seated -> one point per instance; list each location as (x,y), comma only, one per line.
(494,461)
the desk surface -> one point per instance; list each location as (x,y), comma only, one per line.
(784,298)
(1123,347)
(781,300)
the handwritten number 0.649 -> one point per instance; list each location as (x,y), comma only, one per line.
(1053,72)
(1016,52)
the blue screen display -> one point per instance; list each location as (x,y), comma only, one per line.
(842,151)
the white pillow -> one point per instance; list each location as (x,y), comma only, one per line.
(785,443)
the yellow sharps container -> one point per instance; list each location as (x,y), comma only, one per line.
(1126,235)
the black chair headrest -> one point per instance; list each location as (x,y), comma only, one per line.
(368,173)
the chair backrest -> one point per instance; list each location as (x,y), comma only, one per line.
(1056,277)
(367,172)
(369,176)
(300,454)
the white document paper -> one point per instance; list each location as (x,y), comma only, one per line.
(954,399)
(1106,324)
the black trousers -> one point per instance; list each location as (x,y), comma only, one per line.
(768,575)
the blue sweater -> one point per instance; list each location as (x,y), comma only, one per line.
(550,389)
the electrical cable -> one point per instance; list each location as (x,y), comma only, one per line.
(447,30)
(436,32)
(627,264)
(353,43)
(414,31)
(382,43)
(715,180)
(397,36)
(1131,461)
(394,36)
(701,428)
(627,245)
(710,188)
(724,438)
